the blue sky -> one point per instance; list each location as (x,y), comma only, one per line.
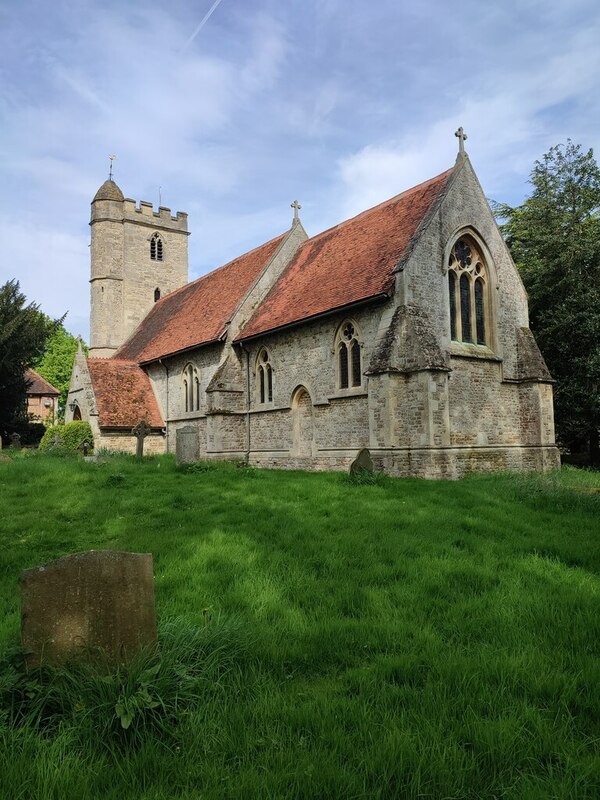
(339,103)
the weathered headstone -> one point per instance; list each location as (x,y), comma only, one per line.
(187,445)
(15,441)
(362,463)
(85,446)
(141,430)
(96,607)
(56,441)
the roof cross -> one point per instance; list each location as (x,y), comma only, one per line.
(296,206)
(461,140)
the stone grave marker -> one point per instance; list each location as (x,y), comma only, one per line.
(15,441)
(187,445)
(56,441)
(362,463)
(85,447)
(141,430)
(96,607)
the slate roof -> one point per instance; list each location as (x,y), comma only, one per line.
(123,394)
(197,313)
(347,264)
(39,385)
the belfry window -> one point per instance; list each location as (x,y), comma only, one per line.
(264,378)
(467,290)
(191,388)
(156,294)
(349,356)
(156,248)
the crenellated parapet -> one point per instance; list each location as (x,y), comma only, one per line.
(163,217)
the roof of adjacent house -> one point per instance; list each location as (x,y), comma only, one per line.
(197,313)
(350,263)
(39,385)
(123,394)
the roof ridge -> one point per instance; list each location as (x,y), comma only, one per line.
(393,199)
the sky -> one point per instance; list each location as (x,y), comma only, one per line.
(232,109)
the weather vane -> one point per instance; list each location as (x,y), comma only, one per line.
(111,158)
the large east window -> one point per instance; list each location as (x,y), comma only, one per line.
(467,289)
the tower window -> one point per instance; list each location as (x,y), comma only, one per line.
(156,294)
(156,248)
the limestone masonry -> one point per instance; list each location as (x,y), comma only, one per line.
(403,330)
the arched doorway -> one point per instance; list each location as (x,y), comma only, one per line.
(76,414)
(302,424)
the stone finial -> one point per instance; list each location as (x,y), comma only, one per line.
(296,206)
(462,137)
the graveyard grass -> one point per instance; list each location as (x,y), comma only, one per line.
(319,638)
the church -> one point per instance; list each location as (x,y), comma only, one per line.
(404,330)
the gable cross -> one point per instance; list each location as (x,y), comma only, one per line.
(296,206)
(462,136)
(141,430)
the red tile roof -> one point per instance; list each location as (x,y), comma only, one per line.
(123,393)
(346,264)
(198,312)
(39,385)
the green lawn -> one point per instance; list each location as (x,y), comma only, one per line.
(319,639)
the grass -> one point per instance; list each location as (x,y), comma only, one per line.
(319,639)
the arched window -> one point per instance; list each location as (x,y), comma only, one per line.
(191,388)
(264,378)
(156,248)
(467,289)
(349,356)
(156,294)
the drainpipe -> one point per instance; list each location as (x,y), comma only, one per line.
(247,401)
(160,361)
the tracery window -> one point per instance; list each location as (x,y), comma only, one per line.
(191,388)
(156,248)
(467,288)
(349,356)
(264,377)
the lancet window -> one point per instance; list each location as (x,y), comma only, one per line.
(467,289)
(156,248)
(264,377)
(349,356)
(191,388)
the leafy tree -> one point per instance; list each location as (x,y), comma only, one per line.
(24,331)
(554,238)
(56,363)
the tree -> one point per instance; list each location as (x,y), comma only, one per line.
(56,363)
(554,238)
(24,331)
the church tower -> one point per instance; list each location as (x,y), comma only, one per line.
(138,255)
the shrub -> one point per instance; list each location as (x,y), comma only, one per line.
(72,436)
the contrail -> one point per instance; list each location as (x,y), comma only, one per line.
(205,19)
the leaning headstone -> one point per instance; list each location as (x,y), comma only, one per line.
(15,441)
(96,607)
(362,463)
(141,430)
(187,445)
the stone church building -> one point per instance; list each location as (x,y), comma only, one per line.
(403,329)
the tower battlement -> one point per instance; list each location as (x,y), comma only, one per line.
(133,211)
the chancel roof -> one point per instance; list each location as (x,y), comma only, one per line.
(197,313)
(123,394)
(347,264)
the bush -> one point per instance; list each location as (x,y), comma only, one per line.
(72,436)
(30,433)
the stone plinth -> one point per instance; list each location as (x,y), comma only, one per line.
(96,606)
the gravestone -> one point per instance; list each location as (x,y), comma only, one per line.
(362,463)
(85,446)
(56,441)
(141,430)
(15,441)
(187,445)
(96,607)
